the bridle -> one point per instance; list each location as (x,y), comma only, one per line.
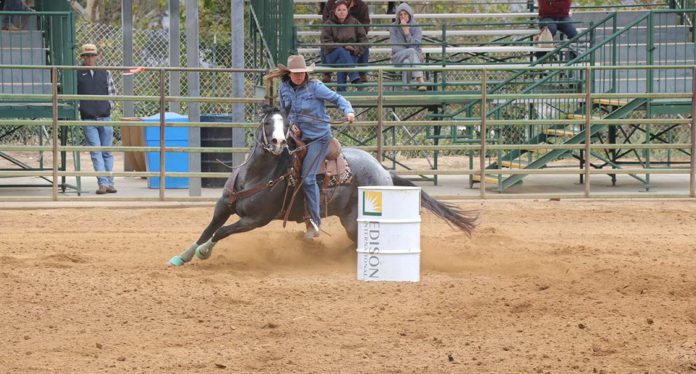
(265,144)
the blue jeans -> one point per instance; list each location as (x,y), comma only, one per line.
(552,23)
(342,58)
(101,136)
(316,151)
(363,59)
(13,6)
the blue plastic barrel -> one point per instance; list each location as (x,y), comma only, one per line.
(173,161)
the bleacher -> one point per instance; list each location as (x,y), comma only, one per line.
(460,36)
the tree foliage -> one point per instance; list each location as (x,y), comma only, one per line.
(214,15)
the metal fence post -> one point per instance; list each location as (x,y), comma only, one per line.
(161,150)
(482,156)
(54,94)
(588,125)
(380,114)
(692,164)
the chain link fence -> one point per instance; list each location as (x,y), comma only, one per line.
(151,49)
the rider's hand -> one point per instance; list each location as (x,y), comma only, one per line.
(350,117)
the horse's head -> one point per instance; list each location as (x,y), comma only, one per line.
(274,130)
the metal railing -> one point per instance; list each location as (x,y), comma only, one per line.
(41,38)
(271,29)
(649,145)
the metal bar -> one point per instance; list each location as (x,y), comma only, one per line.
(162,135)
(388,148)
(588,125)
(545,171)
(194,89)
(380,115)
(442,123)
(692,176)
(174,53)
(482,156)
(127,24)
(54,91)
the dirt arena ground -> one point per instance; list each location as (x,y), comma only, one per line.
(542,287)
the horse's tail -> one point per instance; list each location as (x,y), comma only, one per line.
(463,220)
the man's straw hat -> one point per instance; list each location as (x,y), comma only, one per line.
(88,50)
(297,64)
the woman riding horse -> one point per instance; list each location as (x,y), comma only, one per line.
(303,99)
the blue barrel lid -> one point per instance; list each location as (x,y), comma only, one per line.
(168,117)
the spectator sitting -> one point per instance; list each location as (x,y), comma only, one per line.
(343,55)
(555,14)
(358,10)
(405,39)
(14,23)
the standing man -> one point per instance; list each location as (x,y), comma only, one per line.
(358,10)
(97,82)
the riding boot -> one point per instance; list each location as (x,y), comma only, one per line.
(312,230)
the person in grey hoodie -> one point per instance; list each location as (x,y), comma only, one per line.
(405,38)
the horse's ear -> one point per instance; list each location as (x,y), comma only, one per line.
(287,109)
(267,107)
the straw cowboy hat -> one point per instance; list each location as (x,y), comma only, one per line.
(88,50)
(297,64)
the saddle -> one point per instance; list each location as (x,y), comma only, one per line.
(333,167)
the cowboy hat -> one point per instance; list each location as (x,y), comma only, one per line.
(88,50)
(297,64)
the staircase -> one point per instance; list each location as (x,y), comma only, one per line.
(46,39)
(25,47)
(633,44)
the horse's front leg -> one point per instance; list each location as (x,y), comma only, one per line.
(223,211)
(244,224)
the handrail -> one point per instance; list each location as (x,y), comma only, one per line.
(543,59)
(490,123)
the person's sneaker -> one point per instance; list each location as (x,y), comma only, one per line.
(326,78)
(111,189)
(422,81)
(101,190)
(11,27)
(312,230)
(363,78)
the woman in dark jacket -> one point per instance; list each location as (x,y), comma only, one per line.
(346,55)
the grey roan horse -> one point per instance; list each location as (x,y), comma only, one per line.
(260,194)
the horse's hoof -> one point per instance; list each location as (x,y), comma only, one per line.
(176,261)
(205,250)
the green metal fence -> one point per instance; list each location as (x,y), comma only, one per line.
(272,33)
(587,142)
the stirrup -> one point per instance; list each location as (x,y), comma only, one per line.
(312,230)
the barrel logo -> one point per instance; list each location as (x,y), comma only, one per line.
(372,203)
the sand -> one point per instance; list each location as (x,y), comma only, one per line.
(543,286)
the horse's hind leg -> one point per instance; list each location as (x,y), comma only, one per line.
(222,212)
(350,223)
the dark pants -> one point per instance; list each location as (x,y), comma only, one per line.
(14,6)
(565,27)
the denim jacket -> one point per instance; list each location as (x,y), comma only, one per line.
(308,99)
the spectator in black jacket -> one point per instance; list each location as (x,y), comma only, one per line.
(97,82)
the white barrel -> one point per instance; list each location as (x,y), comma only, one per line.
(389,233)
